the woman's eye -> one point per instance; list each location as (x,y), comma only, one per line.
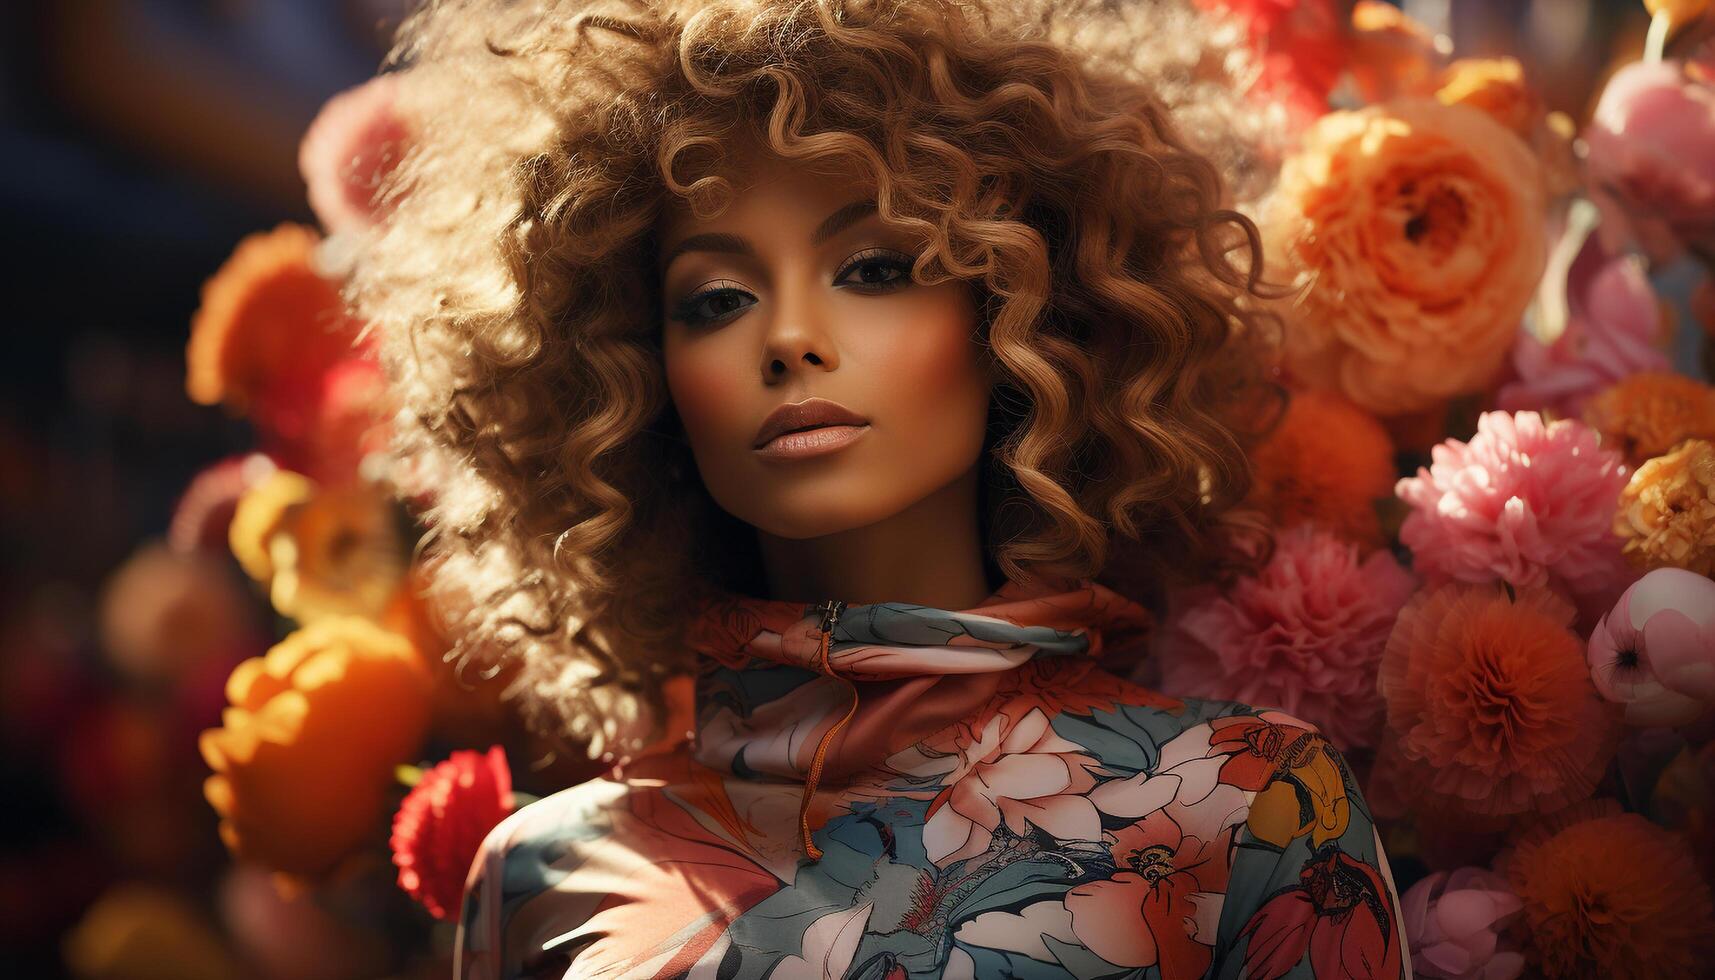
(711,305)
(878,270)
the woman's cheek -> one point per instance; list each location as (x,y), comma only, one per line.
(934,381)
(702,388)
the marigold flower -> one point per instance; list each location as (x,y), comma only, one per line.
(304,757)
(1305,633)
(440,826)
(321,551)
(1667,511)
(1610,894)
(1327,463)
(1490,708)
(1525,502)
(1646,415)
(1419,227)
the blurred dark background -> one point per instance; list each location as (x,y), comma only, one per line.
(139,140)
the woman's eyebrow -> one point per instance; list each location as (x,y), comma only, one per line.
(720,241)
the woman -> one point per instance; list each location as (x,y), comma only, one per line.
(831,351)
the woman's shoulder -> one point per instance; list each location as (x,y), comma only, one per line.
(1094,698)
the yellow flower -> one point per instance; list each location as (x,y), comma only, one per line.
(1418,229)
(304,757)
(1495,86)
(1667,511)
(321,551)
(1679,12)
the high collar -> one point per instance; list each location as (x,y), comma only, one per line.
(883,640)
(764,688)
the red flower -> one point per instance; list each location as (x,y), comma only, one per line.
(1262,746)
(1338,911)
(442,822)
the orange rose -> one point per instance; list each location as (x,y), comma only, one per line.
(303,761)
(321,551)
(1419,230)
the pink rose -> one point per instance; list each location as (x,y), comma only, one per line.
(1652,144)
(1455,922)
(1655,652)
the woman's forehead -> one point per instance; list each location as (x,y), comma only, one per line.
(753,178)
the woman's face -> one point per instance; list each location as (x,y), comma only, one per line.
(797,291)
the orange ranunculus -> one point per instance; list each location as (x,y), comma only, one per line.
(1667,511)
(267,318)
(321,551)
(303,761)
(1327,463)
(1646,415)
(1419,230)
(273,341)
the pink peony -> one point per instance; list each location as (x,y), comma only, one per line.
(1652,145)
(1610,334)
(352,145)
(1655,652)
(1305,634)
(1456,922)
(1526,502)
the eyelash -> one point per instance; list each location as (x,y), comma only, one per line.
(686,310)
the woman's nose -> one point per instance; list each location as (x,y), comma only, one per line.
(799,337)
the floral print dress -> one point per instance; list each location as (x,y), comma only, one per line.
(888,791)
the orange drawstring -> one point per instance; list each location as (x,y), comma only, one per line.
(830,616)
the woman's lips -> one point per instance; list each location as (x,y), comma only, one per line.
(806,443)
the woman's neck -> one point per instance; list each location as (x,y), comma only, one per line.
(931,554)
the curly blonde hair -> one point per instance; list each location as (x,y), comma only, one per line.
(1064,158)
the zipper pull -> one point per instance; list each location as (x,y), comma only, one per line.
(830,610)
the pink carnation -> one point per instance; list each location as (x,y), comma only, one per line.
(1528,503)
(1305,634)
